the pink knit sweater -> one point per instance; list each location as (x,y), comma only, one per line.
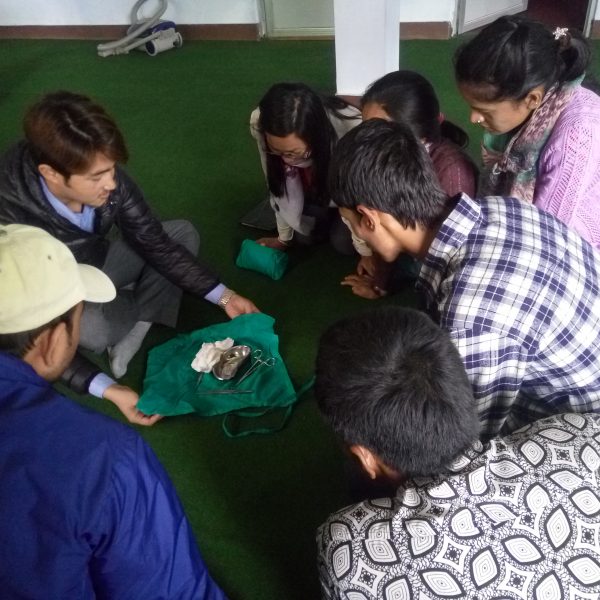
(568,180)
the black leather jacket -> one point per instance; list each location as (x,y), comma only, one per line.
(22,200)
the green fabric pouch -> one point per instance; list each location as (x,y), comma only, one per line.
(171,385)
(268,261)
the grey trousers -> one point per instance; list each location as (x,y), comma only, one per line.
(142,293)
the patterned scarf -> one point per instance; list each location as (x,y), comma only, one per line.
(510,163)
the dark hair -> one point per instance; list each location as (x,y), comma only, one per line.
(382,165)
(392,381)
(513,55)
(20,343)
(67,130)
(407,96)
(295,108)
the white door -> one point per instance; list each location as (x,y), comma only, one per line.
(477,13)
(299,18)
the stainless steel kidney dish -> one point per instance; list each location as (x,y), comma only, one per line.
(229,363)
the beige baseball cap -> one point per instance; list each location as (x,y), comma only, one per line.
(41,280)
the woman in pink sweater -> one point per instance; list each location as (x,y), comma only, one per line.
(542,128)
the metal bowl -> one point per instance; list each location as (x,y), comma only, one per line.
(229,363)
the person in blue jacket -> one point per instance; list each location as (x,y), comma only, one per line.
(87,509)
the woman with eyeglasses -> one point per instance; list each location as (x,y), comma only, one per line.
(526,87)
(296,130)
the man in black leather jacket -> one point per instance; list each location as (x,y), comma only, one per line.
(65,178)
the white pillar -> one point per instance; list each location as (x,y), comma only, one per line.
(367,42)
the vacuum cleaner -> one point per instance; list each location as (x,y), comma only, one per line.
(151,34)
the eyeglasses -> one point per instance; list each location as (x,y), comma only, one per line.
(290,155)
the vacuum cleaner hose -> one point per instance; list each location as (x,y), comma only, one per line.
(137,27)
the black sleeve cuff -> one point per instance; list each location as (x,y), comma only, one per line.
(79,374)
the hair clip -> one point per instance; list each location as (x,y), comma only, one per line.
(560,32)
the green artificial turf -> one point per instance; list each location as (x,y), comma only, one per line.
(254,502)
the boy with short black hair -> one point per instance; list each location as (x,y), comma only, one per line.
(517,291)
(518,517)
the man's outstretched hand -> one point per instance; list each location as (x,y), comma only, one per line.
(125,400)
(238,305)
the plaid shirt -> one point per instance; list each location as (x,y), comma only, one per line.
(519,294)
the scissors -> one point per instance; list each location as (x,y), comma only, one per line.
(257,364)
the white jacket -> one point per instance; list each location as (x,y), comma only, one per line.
(289,207)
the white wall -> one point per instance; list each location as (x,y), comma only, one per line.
(427,10)
(117,12)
